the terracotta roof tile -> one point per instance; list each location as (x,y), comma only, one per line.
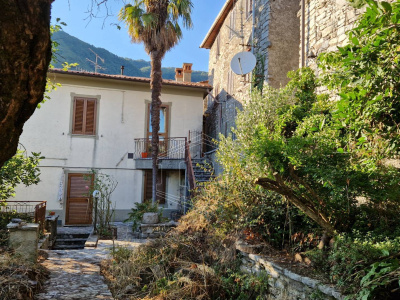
(132,78)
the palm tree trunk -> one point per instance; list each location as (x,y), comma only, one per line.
(25,53)
(156,85)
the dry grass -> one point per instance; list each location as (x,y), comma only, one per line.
(179,266)
(18,280)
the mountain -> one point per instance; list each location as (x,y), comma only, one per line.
(73,50)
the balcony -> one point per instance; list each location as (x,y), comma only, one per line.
(171,153)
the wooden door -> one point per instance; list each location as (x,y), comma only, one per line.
(79,202)
(161,183)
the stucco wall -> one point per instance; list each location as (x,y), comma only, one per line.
(121,119)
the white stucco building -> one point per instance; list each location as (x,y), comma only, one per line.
(101,122)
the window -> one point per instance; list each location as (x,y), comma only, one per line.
(218,50)
(231,85)
(249,8)
(84,116)
(232,21)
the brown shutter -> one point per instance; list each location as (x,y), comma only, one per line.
(78,119)
(90,116)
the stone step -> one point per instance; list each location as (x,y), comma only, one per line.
(68,247)
(72,236)
(70,241)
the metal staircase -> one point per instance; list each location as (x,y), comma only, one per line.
(203,171)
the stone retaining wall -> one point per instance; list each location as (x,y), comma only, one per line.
(286,285)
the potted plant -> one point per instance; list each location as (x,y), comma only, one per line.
(152,213)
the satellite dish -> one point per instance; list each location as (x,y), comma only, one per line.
(243,63)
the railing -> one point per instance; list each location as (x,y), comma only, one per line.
(169,148)
(35,210)
(189,165)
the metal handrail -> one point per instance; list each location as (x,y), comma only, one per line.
(190,171)
(169,148)
(36,211)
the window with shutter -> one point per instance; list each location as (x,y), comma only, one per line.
(84,116)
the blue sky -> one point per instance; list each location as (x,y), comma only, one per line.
(101,33)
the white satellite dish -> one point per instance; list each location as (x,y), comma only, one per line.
(243,63)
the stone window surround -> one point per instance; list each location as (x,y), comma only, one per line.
(73,96)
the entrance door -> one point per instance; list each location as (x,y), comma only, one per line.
(79,202)
(161,183)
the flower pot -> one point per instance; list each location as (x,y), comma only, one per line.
(150,218)
(144,154)
(52,213)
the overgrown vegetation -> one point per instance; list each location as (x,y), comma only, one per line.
(303,167)
(20,169)
(192,262)
(19,281)
(103,186)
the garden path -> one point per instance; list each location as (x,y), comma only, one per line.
(75,274)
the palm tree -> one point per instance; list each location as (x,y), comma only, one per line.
(155,23)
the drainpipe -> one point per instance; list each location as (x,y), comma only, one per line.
(253,18)
(303,34)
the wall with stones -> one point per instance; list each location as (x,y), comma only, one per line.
(276,39)
(277,34)
(285,284)
(326,24)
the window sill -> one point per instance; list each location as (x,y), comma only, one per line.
(84,135)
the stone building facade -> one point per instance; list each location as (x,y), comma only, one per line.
(269,29)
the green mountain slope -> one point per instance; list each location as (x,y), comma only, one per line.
(73,50)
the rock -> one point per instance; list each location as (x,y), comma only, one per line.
(150,218)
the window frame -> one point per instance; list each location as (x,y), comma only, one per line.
(96,99)
(249,8)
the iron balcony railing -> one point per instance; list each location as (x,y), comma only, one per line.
(35,210)
(169,148)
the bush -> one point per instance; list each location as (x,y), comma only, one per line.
(191,262)
(366,266)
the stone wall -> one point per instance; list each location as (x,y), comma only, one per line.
(285,284)
(326,24)
(276,37)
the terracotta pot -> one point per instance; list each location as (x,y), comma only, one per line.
(144,154)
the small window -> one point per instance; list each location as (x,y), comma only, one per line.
(249,8)
(218,50)
(84,116)
(232,21)
(231,84)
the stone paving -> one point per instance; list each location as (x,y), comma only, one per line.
(75,274)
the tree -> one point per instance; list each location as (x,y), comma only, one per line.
(25,53)
(155,23)
(20,169)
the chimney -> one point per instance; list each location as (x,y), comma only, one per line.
(122,70)
(178,74)
(187,72)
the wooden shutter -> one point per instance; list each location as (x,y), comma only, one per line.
(84,116)
(79,116)
(90,127)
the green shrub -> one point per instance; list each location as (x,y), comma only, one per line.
(136,213)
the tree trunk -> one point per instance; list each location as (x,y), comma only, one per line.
(25,53)
(156,85)
(301,203)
